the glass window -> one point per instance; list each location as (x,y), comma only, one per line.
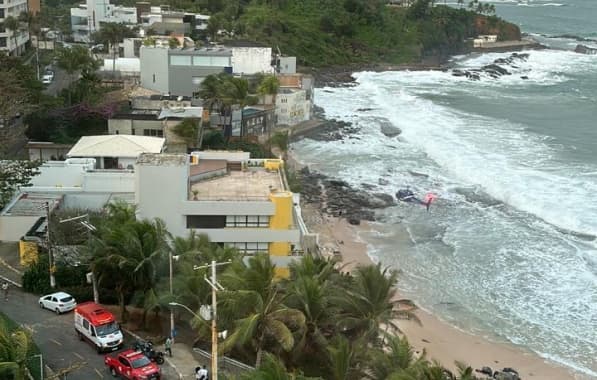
(206,221)
(220,61)
(200,60)
(180,60)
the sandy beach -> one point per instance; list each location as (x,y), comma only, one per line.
(440,340)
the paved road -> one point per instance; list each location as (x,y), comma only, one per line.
(61,81)
(55,336)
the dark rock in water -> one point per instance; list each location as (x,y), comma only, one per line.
(390,130)
(495,69)
(524,77)
(354,221)
(458,73)
(381,200)
(336,182)
(582,49)
(383,182)
(417,174)
(364,109)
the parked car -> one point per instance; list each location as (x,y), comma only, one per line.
(130,364)
(48,77)
(58,302)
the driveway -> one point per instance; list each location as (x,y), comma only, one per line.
(55,336)
(61,81)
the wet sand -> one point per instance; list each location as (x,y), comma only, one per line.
(440,340)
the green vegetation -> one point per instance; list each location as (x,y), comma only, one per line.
(188,129)
(14,174)
(17,351)
(317,323)
(332,32)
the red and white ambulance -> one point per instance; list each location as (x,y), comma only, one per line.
(98,326)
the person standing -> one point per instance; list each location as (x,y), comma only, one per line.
(202,373)
(5,290)
(168,346)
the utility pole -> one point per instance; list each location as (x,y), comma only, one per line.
(90,228)
(215,287)
(49,245)
(171,295)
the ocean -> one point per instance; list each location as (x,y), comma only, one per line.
(508,250)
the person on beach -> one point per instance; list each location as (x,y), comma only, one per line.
(5,290)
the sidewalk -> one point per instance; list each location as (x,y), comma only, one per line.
(184,361)
(10,268)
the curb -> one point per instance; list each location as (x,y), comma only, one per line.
(180,376)
(3,262)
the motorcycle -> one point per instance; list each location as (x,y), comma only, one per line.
(147,349)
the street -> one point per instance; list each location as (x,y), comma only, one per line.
(60,82)
(56,338)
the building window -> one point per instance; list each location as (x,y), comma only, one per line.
(255,221)
(206,221)
(153,81)
(132,131)
(180,60)
(117,132)
(2,41)
(153,132)
(1,12)
(251,247)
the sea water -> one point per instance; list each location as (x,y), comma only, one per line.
(508,250)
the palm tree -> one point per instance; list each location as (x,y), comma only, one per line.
(14,25)
(270,86)
(396,357)
(72,61)
(344,360)
(262,319)
(272,369)
(14,346)
(112,33)
(369,301)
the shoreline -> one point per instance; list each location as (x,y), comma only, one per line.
(439,339)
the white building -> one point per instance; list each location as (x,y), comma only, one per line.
(7,37)
(292,106)
(115,151)
(87,18)
(251,60)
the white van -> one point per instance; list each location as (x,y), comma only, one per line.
(98,326)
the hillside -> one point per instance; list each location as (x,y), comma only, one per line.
(337,32)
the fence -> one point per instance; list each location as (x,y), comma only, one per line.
(225,364)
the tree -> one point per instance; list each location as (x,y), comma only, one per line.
(14,25)
(173,42)
(188,129)
(74,60)
(14,347)
(112,33)
(263,321)
(272,369)
(14,174)
(395,357)
(369,302)
(344,360)
(34,28)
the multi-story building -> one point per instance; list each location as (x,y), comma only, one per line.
(88,17)
(294,100)
(236,201)
(8,42)
(180,71)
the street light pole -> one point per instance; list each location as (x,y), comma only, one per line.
(215,287)
(171,295)
(49,245)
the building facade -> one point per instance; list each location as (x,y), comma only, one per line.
(88,17)
(180,71)
(234,200)
(8,42)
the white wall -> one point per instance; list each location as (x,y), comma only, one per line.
(109,182)
(12,228)
(293,108)
(251,60)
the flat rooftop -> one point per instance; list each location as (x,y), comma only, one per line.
(249,185)
(33,204)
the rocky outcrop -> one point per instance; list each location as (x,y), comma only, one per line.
(337,198)
(504,30)
(495,69)
(583,49)
(390,130)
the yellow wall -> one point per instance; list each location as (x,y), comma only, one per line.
(28,252)
(281,272)
(281,220)
(273,164)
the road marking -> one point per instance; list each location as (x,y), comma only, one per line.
(57,342)
(79,356)
(98,373)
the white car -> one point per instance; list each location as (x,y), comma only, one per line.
(47,78)
(59,302)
